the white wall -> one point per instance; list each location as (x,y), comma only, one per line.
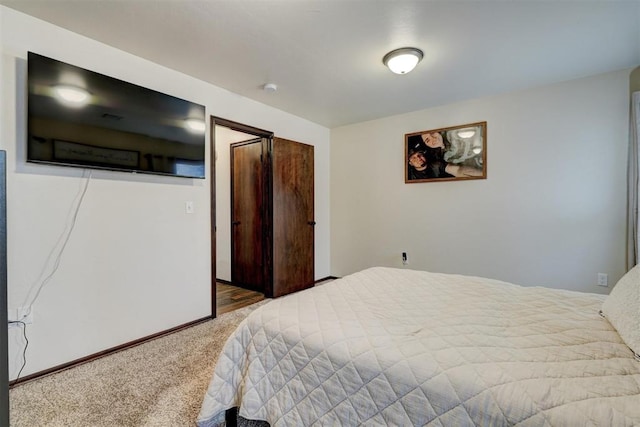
(136,264)
(551,212)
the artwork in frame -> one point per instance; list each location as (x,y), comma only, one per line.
(446,154)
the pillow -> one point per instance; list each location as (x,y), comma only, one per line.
(622,308)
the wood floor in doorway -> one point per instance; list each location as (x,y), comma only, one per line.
(229,297)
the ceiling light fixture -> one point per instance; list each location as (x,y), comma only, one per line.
(403,60)
(72,95)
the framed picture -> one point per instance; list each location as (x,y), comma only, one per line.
(447,154)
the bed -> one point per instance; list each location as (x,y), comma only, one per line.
(400,347)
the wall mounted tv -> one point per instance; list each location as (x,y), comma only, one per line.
(81,118)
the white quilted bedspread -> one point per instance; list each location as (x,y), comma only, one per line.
(400,347)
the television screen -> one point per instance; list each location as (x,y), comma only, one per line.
(81,118)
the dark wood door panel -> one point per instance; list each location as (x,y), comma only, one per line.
(247,207)
(272,216)
(293,216)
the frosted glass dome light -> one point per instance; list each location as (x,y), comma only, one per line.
(403,60)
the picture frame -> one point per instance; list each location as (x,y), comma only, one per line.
(453,153)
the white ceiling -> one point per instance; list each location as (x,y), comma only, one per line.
(326,55)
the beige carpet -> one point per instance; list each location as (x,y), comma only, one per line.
(158,383)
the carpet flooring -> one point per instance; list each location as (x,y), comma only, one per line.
(159,383)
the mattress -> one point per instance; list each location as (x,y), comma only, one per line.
(400,347)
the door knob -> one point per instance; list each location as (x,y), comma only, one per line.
(311,222)
(236,223)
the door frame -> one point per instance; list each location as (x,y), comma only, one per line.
(261,133)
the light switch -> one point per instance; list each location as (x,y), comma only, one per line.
(188,207)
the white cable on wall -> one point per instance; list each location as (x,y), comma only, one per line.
(61,244)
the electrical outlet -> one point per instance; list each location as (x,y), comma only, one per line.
(603,280)
(405,259)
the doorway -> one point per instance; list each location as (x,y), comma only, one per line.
(228,295)
(270,214)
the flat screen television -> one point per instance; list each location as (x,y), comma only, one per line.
(81,118)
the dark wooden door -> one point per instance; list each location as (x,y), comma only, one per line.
(293,222)
(247,214)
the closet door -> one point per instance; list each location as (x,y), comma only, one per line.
(247,215)
(292,216)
